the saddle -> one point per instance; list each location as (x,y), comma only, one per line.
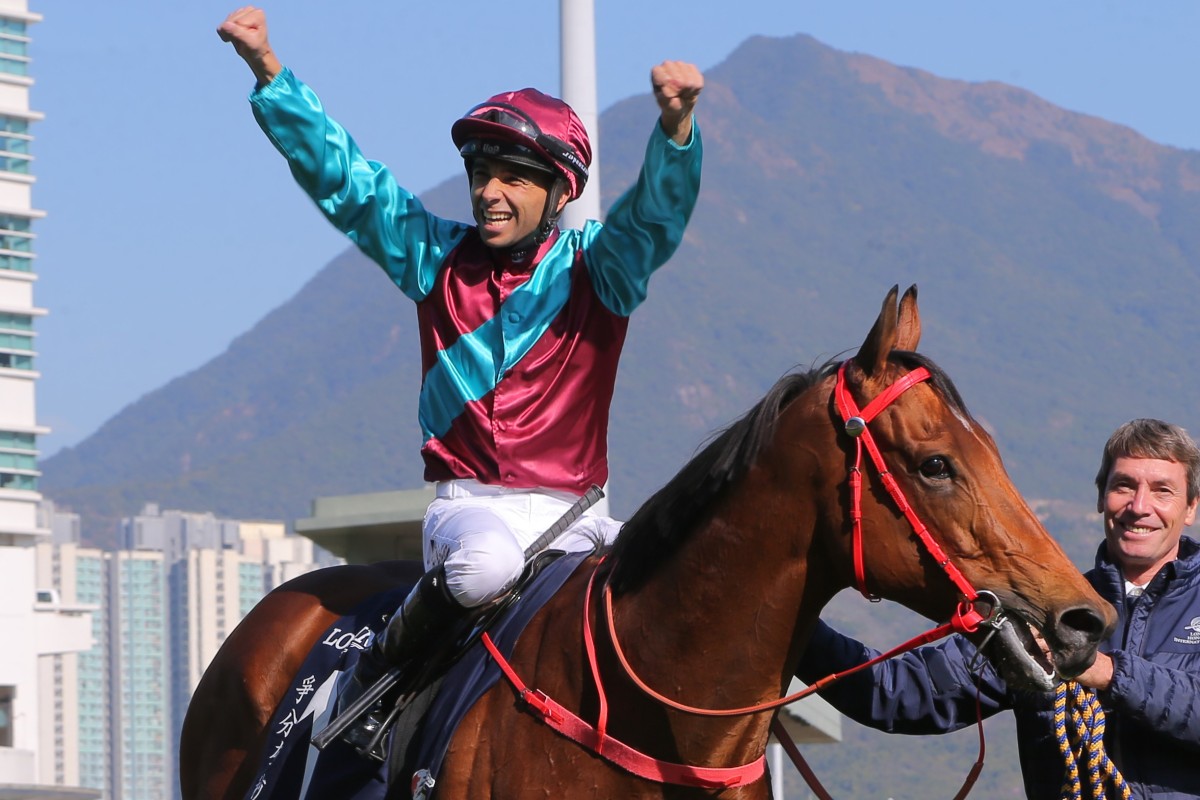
(428,701)
(406,691)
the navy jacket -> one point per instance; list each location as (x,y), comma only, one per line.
(1152,707)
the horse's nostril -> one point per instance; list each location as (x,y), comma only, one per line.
(1085,621)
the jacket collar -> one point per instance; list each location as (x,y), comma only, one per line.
(522,259)
(1186,564)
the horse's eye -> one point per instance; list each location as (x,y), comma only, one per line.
(937,467)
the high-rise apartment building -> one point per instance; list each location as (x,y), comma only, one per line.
(37,627)
(18,421)
(92,669)
(164,604)
(74,686)
(70,684)
(139,670)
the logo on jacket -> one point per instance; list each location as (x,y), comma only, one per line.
(1193,636)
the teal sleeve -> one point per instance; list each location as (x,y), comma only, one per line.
(646,225)
(360,197)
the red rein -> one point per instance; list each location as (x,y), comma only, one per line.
(966,618)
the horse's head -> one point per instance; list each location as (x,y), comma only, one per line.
(968,529)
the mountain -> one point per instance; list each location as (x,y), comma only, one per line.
(1056,254)
(1056,264)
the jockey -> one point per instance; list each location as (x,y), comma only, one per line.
(521,324)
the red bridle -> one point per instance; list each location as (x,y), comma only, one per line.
(966,619)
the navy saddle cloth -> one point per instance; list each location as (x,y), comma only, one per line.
(291,769)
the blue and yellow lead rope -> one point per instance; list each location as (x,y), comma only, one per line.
(1083,742)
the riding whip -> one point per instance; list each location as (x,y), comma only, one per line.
(589,499)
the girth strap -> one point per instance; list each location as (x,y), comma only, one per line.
(617,752)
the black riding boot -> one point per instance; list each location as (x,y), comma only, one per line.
(428,610)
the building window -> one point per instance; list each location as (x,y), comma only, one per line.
(15,440)
(13,27)
(14,124)
(16,263)
(14,141)
(15,144)
(16,236)
(14,46)
(14,51)
(10,480)
(12,222)
(6,715)
(15,322)
(8,161)
(21,243)
(18,461)
(16,341)
(16,361)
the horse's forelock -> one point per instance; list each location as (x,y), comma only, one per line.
(937,377)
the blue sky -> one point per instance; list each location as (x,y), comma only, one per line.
(173,226)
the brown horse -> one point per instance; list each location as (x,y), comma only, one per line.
(716,584)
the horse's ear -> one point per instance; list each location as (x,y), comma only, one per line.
(909,325)
(872,356)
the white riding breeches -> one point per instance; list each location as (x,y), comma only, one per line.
(479,533)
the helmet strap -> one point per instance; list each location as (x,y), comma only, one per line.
(545,229)
(551,212)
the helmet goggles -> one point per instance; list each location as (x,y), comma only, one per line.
(502,130)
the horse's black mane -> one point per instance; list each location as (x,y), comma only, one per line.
(665,521)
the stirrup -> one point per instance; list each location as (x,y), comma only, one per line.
(364,720)
(364,733)
(367,726)
(362,705)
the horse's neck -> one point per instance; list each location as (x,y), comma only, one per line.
(724,602)
(720,626)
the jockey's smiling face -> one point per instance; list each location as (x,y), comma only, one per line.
(508,200)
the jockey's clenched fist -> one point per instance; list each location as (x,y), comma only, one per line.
(246,30)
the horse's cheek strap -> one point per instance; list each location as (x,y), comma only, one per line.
(847,408)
